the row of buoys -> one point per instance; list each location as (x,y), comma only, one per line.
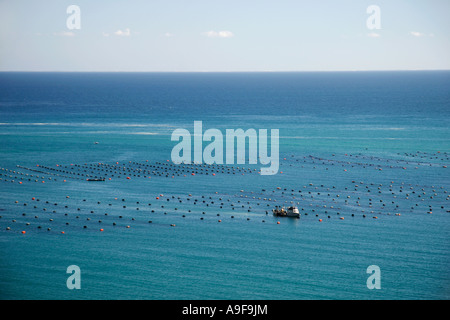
(102,171)
(278,188)
(377,166)
(128,167)
(372,199)
(63,232)
(426,155)
(98,202)
(138,171)
(92,170)
(315,195)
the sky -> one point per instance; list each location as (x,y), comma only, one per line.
(224,36)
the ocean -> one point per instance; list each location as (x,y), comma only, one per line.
(363,155)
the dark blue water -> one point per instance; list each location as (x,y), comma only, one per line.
(369,147)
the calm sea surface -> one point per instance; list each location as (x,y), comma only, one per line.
(363,155)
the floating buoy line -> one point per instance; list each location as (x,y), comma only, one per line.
(317,202)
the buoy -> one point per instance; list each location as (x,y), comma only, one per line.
(23,232)
(128,178)
(101,229)
(33,198)
(157,198)
(278,222)
(320,220)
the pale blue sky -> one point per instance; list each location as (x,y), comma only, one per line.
(245,35)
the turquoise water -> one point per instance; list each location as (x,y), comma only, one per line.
(352,145)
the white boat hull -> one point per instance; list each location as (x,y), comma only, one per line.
(290,212)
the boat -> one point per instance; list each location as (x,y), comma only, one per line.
(289,212)
(95,179)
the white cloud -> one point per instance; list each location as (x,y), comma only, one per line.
(374,35)
(169,35)
(64,34)
(416,34)
(121,33)
(219,34)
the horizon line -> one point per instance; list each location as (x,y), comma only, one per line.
(235,71)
